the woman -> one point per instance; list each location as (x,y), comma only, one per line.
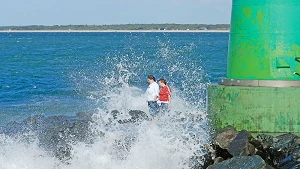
(164,95)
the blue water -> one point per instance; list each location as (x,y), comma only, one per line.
(57,91)
(54,73)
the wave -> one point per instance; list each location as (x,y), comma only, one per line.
(119,133)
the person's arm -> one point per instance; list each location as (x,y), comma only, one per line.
(155,98)
(156,91)
(169,97)
(169,102)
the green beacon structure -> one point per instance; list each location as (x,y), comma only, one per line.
(261,91)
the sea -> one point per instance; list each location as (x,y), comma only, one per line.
(76,100)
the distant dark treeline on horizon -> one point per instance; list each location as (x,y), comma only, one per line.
(122,27)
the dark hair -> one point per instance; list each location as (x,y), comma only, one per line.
(163,81)
(151,77)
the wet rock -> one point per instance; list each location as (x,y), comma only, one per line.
(282,152)
(115,114)
(255,143)
(137,115)
(291,161)
(283,142)
(219,152)
(122,147)
(63,152)
(291,165)
(269,167)
(13,128)
(57,134)
(34,121)
(55,119)
(282,147)
(240,145)
(225,137)
(241,162)
(297,141)
(296,154)
(197,162)
(84,116)
(265,140)
(218,160)
(264,149)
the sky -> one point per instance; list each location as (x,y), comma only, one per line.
(100,12)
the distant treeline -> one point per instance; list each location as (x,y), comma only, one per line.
(122,27)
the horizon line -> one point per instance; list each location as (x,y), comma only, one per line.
(120,24)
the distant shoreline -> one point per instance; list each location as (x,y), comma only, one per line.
(167,31)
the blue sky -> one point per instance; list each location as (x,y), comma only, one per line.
(99,12)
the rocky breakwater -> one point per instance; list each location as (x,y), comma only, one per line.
(57,134)
(240,150)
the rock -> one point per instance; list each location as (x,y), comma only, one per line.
(225,137)
(218,160)
(269,167)
(34,121)
(122,147)
(291,161)
(219,152)
(296,154)
(137,115)
(63,152)
(55,119)
(297,141)
(257,144)
(283,142)
(292,165)
(200,161)
(282,147)
(241,162)
(115,114)
(240,145)
(84,116)
(266,140)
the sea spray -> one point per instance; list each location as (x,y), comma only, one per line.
(174,140)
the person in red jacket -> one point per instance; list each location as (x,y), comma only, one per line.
(164,95)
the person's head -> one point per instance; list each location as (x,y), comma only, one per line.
(151,79)
(162,82)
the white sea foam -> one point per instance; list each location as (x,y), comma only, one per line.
(166,143)
(169,142)
(17,153)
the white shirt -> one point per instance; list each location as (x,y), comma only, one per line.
(152,91)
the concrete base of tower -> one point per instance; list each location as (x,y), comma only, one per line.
(273,110)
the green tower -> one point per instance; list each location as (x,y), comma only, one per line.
(261,92)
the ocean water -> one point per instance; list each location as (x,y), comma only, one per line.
(46,79)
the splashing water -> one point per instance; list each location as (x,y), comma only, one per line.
(173,141)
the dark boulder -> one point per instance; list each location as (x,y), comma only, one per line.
(138,115)
(240,145)
(241,162)
(115,114)
(219,152)
(282,147)
(265,140)
(291,161)
(84,116)
(225,137)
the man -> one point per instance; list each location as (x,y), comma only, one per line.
(152,95)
